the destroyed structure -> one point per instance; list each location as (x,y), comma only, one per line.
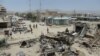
(71,44)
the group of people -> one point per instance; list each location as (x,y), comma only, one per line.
(35,26)
(31,28)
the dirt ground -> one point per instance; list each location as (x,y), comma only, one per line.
(32,51)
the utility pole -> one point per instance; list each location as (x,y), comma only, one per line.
(30,6)
(40,5)
(39,13)
(30,10)
(75,15)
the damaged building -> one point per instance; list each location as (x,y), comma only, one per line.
(2,11)
(59,20)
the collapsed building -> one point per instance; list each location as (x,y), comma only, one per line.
(68,43)
(59,45)
(91,28)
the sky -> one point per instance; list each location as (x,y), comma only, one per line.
(23,5)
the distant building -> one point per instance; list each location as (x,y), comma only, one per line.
(88,18)
(2,11)
(3,22)
(59,20)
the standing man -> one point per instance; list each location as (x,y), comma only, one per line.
(10,33)
(33,26)
(36,26)
(30,28)
(67,31)
(47,30)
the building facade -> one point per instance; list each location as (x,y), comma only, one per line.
(2,11)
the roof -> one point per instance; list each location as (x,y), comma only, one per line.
(90,17)
(50,17)
(62,17)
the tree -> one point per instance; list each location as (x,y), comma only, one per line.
(17,13)
(31,17)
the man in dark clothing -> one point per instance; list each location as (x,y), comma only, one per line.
(30,28)
(67,30)
(36,26)
(33,26)
(47,30)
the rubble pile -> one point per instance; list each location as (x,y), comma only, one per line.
(58,44)
(67,44)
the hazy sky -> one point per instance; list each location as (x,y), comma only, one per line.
(23,5)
